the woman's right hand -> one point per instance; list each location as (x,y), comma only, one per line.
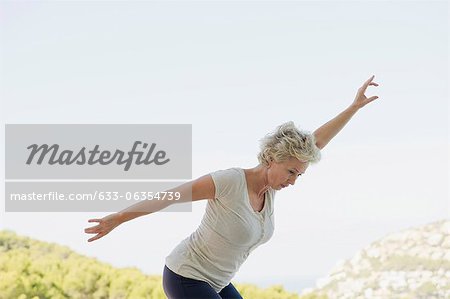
(104,226)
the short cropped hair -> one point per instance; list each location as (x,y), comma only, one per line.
(288,141)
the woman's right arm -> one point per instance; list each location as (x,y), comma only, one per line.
(201,188)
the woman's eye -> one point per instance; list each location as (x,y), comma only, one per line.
(293,172)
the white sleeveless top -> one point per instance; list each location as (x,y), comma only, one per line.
(230,230)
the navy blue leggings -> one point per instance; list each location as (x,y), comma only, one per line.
(180,287)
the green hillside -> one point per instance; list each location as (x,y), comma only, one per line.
(35,269)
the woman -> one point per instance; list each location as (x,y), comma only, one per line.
(239,213)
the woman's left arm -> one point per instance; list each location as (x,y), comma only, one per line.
(325,133)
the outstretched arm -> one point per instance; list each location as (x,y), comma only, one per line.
(325,133)
(201,188)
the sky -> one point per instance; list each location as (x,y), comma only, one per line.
(235,71)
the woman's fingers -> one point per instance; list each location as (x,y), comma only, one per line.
(366,84)
(363,88)
(91,229)
(104,226)
(370,79)
(96,237)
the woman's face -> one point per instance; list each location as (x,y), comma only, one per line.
(283,174)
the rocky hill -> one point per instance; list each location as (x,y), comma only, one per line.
(411,264)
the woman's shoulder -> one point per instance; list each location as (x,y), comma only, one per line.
(229,172)
(228,180)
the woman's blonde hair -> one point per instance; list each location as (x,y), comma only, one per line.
(288,141)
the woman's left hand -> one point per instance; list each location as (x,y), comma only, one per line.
(361,100)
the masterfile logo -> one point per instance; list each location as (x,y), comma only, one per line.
(104,151)
(91,168)
(68,157)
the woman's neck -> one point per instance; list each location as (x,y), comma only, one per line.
(257,180)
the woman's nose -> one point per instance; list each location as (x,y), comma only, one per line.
(292,180)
